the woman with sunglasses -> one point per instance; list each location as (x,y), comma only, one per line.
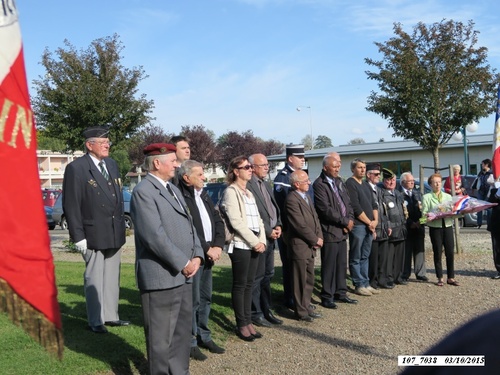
(248,243)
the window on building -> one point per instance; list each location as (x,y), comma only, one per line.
(398,167)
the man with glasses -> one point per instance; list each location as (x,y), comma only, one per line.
(269,212)
(93,207)
(295,159)
(414,244)
(303,236)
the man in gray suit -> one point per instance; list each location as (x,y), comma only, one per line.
(93,206)
(269,212)
(168,255)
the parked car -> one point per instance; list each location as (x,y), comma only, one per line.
(59,218)
(49,196)
(50,220)
(215,190)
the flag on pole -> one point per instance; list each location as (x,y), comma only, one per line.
(495,161)
(28,292)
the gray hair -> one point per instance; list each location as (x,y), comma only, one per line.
(457,166)
(404,175)
(187,167)
(148,164)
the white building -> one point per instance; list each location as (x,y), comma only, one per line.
(51,166)
(402,156)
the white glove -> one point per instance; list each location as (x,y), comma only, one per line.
(81,246)
(497,185)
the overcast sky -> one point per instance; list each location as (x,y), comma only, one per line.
(248,64)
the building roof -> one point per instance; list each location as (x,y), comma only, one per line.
(389,147)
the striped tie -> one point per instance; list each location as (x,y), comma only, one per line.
(103,170)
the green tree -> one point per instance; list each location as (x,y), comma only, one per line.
(356,141)
(89,87)
(322,141)
(432,82)
(123,161)
(45,142)
(307,141)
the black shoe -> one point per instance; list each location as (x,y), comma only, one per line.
(496,277)
(98,329)
(257,335)
(261,322)
(402,282)
(329,304)
(315,315)
(387,286)
(272,319)
(312,307)
(422,278)
(346,299)
(306,318)
(244,338)
(196,354)
(117,323)
(212,346)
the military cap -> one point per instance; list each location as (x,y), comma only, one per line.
(296,150)
(373,167)
(159,149)
(96,132)
(387,173)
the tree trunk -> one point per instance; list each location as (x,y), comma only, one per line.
(435,156)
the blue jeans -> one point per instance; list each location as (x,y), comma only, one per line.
(202,300)
(480,214)
(360,244)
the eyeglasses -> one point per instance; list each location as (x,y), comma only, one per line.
(261,165)
(304,182)
(246,167)
(410,180)
(375,174)
(109,143)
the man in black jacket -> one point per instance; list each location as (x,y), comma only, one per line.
(336,216)
(210,229)
(93,207)
(269,212)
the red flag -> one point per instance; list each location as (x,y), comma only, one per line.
(28,291)
(495,161)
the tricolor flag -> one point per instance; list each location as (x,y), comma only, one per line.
(495,160)
(28,291)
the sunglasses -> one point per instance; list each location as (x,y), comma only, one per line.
(246,167)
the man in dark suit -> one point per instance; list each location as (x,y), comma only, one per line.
(93,207)
(210,229)
(168,255)
(295,158)
(269,212)
(414,244)
(336,216)
(303,237)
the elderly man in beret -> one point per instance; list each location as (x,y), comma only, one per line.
(93,206)
(168,255)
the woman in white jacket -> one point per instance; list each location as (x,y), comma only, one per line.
(248,243)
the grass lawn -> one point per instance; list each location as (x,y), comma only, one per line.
(122,351)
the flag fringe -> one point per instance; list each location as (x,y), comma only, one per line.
(31,320)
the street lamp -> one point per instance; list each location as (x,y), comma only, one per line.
(462,135)
(299,108)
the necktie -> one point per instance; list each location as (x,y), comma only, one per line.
(339,199)
(408,192)
(269,205)
(174,196)
(103,170)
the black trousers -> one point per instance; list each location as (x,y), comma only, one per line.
(244,266)
(333,270)
(443,237)
(261,293)
(286,264)
(377,268)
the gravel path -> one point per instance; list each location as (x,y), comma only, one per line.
(368,337)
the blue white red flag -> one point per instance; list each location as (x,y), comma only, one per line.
(496,141)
